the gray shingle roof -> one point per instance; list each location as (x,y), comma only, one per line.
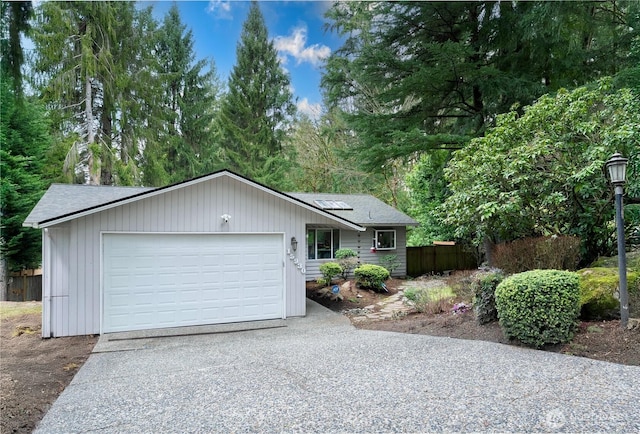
(367,210)
(63,199)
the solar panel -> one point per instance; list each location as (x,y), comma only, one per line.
(333,205)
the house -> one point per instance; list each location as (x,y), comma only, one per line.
(216,249)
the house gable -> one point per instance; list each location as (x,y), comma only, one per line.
(54,217)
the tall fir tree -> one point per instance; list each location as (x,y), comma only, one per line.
(418,76)
(15,23)
(24,139)
(81,60)
(183,142)
(258,109)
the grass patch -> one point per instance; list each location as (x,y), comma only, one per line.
(431,300)
(595,329)
(9,310)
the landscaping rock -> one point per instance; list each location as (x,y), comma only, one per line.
(599,293)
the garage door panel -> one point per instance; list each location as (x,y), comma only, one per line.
(155,280)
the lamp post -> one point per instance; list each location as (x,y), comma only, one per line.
(617,166)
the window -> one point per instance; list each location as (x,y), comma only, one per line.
(322,243)
(385,239)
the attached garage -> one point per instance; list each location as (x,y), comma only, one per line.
(171,280)
(216,249)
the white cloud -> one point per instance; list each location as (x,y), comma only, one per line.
(294,46)
(220,9)
(312,110)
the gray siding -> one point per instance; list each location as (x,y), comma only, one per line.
(361,243)
(75,252)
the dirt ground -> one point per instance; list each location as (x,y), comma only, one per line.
(33,371)
(600,340)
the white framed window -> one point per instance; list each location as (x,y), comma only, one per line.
(322,243)
(384,239)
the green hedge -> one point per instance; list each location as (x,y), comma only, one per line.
(539,307)
(330,270)
(371,276)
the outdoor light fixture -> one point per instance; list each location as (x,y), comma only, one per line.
(617,167)
(294,243)
(225,218)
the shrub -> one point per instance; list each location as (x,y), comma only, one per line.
(555,252)
(390,262)
(460,282)
(599,293)
(484,303)
(430,300)
(330,270)
(347,259)
(371,276)
(539,307)
(345,253)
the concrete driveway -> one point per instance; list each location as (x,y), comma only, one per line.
(319,374)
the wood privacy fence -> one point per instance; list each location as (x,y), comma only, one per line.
(25,286)
(436,259)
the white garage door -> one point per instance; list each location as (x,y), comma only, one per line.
(173,280)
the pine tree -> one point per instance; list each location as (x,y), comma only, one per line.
(421,76)
(182,145)
(24,139)
(76,45)
(15,22)
(258,109)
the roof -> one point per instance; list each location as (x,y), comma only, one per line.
(367,210)
(64,202)
(64,199)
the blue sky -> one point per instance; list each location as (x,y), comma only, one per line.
(296,27)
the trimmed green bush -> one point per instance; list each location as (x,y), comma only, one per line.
(599,292)
(539,307)
(347,259)
(330,270)
(484,301)
(371,276)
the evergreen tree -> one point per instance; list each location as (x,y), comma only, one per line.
(258,109)
(417,76)
(15,22)
(23,141)
(183,143)
(84,54)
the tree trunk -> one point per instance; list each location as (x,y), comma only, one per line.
(93,161)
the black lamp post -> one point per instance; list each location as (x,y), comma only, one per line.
(617,166)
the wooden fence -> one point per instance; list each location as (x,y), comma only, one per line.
(436,259)
(25,286)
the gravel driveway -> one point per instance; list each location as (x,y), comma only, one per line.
(319,374)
